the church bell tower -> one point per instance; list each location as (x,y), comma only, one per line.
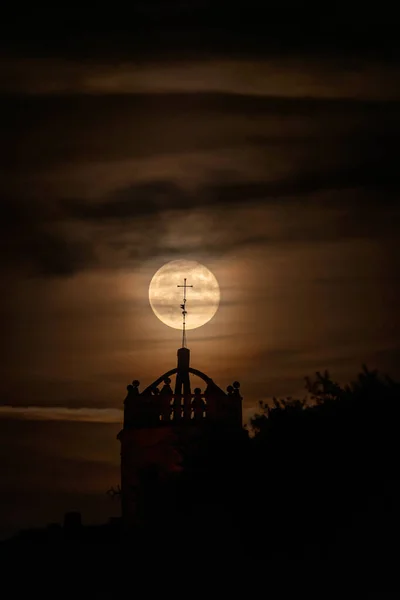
(161,421)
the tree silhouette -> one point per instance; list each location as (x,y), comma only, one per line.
(327,459)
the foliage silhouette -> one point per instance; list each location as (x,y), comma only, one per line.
(332,456)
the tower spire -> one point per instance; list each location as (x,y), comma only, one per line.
(184,311)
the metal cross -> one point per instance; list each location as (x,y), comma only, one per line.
(184,311)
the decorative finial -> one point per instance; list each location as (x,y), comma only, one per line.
(184,311)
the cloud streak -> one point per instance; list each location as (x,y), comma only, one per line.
(58,413)
(289,77)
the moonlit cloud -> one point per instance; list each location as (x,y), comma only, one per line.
(58,413)
(278,77)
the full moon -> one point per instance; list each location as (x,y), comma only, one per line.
(166,297)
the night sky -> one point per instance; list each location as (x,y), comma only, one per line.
(263,146)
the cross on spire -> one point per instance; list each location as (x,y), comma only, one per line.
(184,311)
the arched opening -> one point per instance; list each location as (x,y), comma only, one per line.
(168,374)
(178,407)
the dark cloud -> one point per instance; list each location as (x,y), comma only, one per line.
(131,203)
(135,220)
(151,198)
(40,132)
(53,255)
(33,237)
(370,174)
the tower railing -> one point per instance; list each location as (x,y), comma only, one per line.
(160,409)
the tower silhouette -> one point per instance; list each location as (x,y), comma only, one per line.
(160,425)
